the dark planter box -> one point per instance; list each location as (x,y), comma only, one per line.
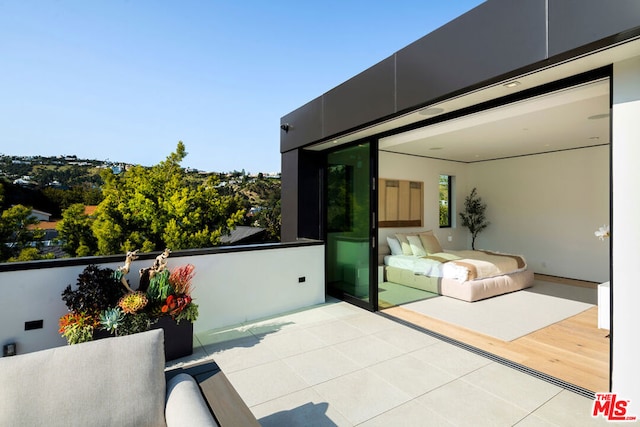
(178,337)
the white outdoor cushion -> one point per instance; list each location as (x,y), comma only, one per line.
(185,406)
(108,382)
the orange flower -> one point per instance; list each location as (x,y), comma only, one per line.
(80,319)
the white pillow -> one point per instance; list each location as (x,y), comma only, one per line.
(404,244)
(430,243)
(416,246)
(394,245)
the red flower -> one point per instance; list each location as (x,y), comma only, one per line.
(175,304)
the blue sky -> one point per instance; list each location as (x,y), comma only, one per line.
(125,80)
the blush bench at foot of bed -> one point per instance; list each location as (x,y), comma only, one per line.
(472,290)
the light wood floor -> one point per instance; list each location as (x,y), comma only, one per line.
(573,350)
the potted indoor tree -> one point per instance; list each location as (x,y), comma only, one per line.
(473,216)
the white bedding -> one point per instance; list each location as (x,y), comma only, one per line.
(449,270)
(419,265)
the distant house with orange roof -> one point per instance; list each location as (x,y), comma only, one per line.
(90,210)
(49,227)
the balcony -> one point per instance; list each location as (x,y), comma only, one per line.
(299,358)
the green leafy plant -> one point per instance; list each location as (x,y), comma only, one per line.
(473,216)
(77,327)
(189,313)
(134,323)
(96,289)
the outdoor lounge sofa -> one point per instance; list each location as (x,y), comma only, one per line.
(115,382)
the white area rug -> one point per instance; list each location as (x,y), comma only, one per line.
(513,315)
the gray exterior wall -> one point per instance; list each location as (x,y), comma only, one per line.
(590,24)
(496,40)
(491,40)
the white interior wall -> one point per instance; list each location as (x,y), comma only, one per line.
(398,166)
(545,207)
(626,232)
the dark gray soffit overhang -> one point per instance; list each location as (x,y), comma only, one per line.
(497,39)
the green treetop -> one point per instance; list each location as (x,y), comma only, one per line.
(20,241)
(153,208)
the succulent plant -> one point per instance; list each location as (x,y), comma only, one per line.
(133,302)
(159,286)
(99,303)
(180,307)
(111,319)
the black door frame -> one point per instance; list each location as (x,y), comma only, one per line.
(372,304)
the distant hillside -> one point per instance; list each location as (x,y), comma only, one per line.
(51,184)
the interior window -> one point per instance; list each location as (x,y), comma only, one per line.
(446,184)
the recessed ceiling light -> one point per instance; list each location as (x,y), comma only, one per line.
(594,137)
(512,84)
(435,148)
(431,111)
(598,116)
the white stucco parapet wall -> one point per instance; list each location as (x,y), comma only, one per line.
(230,287)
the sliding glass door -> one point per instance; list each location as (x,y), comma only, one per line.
(349,225)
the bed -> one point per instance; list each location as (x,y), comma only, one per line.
(418,261)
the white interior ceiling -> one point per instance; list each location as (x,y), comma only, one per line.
(572,118)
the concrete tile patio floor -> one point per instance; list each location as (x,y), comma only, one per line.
(337,365)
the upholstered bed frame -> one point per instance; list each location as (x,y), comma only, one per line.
(473,290)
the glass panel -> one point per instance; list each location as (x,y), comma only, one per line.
(348,221)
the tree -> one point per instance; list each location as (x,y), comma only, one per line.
(264,194)
(74,231)
(158,207)
(473,216)
(270,219)
(30,254)
(17,234)
(62,199)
